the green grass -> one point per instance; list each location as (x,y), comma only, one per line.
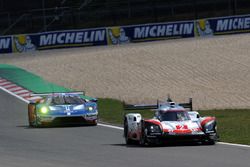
(233,125)
(111,111)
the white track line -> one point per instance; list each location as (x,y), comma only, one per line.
(232,144)
(110,126)
(13,94)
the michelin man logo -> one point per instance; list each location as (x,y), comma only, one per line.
(23,43)
(117,35)
(203,28)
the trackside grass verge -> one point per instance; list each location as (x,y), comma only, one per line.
(111,111)
(233,124)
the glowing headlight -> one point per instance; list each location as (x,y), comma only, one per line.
(90,108)
(154,128)
(44,110)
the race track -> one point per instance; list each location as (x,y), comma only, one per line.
(21,146)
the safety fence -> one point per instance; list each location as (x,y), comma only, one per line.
(125,34)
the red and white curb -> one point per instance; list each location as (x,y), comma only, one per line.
(17,90)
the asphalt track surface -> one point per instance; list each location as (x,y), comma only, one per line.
(21,146)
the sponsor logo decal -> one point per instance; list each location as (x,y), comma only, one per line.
(229,24)
(72,38)
(117,35)
(203,28)
(181,127)
(23,43)
(164,30)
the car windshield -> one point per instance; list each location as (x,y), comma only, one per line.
(60,100)
(174,116)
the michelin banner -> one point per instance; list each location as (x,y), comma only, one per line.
(125,34)
(59,39)
(5,44)
(150,32)
(223,25)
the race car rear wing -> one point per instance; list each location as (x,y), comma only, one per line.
(188,105)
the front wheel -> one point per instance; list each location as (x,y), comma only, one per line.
(32,118)
(211,140)
(143,140)
(127,139)
(95,122)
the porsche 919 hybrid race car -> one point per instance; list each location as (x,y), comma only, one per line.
(62,109)
(172,123)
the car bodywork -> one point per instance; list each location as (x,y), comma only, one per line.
(62,109)
(171,122)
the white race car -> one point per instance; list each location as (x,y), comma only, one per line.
(172,122)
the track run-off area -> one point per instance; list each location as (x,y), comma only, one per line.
(215,72)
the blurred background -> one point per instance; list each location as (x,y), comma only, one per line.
(32,16)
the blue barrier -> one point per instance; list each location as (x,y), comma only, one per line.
(125,34)
(5,44)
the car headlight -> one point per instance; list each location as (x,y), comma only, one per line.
(44,110)
(90,108)
(210,127)
(154,129)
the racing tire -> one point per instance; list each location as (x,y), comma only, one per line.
(33,124)
(32,116)
(94,124)
(209,142)
(127,140)
(36,124)
(143,140)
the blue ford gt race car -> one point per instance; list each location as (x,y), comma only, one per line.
(62,109)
